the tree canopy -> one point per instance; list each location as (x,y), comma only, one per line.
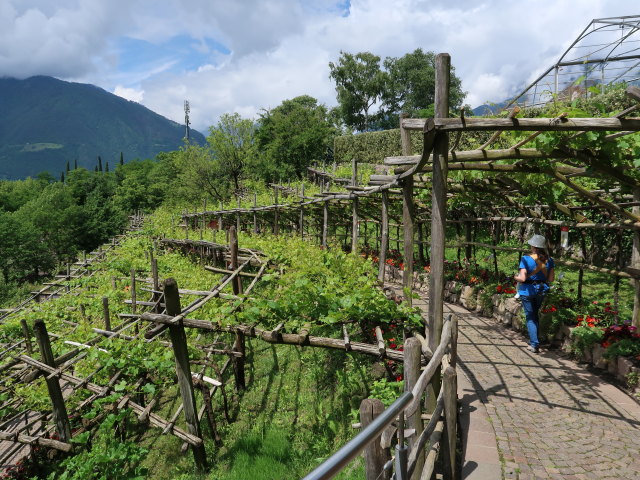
(291,137)
(404,84)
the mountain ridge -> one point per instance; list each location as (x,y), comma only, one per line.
(46,122)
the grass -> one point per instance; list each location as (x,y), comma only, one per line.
(294,413)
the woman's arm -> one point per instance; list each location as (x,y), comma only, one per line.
(551,274)
(522,275)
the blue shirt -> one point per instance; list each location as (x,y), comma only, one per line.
(529,264)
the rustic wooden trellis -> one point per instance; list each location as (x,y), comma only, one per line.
(495,193)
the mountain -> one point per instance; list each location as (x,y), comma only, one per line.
(45,122)
(489,109)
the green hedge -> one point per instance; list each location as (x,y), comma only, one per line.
(372,147)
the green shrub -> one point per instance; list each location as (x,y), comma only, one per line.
(627,347)
(584,338)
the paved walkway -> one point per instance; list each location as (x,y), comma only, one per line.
(538,416)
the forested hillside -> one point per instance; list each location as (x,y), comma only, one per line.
(47,122)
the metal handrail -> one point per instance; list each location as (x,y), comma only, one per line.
(334,464)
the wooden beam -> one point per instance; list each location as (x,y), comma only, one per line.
(526,124)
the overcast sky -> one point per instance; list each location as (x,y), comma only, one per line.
(245,55)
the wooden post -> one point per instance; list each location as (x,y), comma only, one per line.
(255,215)
(183,370)
(408,212)
(238,361)
(27,336)
(276,227)
(233,252)
(450,424)
(374,455)
(384,237)
(438,220)
(412,357)
(156,282)
(238,226)
(301,227)
(354,208)
(325,222)
(53,385)
(133,291)
(220,217)
(467,239)
(68,287)
(105,313)
(635,262)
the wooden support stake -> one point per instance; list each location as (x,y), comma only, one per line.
(53,385)
(408,214)
(380,340)
(276,225)
(183,370)
(467,238)
(325,222)
(375,456)
(238,361)
(412,359)
(354,208)
(255,216)
(133,291)
(450,412)
(27,336)
(301,226)
(384,240)
(233,253)
(438,220)
(635,262)
(105,313)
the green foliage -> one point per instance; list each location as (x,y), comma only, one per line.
(585,337)
(359,84)
(410,87)
(108,458)
(385,391)
(45,122)
(291,137)
(627,347)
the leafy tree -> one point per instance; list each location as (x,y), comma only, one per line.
(359,85)
(232,142)
(292,136)
(410,87)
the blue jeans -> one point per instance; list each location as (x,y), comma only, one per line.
(531,305)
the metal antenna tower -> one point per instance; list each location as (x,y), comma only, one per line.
(187,109)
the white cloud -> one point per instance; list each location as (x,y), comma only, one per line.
(129,93)
(270,50)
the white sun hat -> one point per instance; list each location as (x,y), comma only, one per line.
(538,241)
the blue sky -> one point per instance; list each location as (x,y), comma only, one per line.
(245,55)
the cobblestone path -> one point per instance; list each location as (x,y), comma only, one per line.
(552,418)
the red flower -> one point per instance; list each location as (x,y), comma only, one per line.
(399,378)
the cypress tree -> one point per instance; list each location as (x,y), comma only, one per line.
(121,159)
(106,167)
(62,177)
(99,163)
(95,169)
(67,166)
(75,164)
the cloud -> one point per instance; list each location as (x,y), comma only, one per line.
(129,93)
(245,55)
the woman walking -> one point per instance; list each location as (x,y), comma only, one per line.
(535,274)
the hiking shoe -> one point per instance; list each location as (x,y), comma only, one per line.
(533,349)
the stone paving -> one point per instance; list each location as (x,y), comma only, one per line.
(551,419)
